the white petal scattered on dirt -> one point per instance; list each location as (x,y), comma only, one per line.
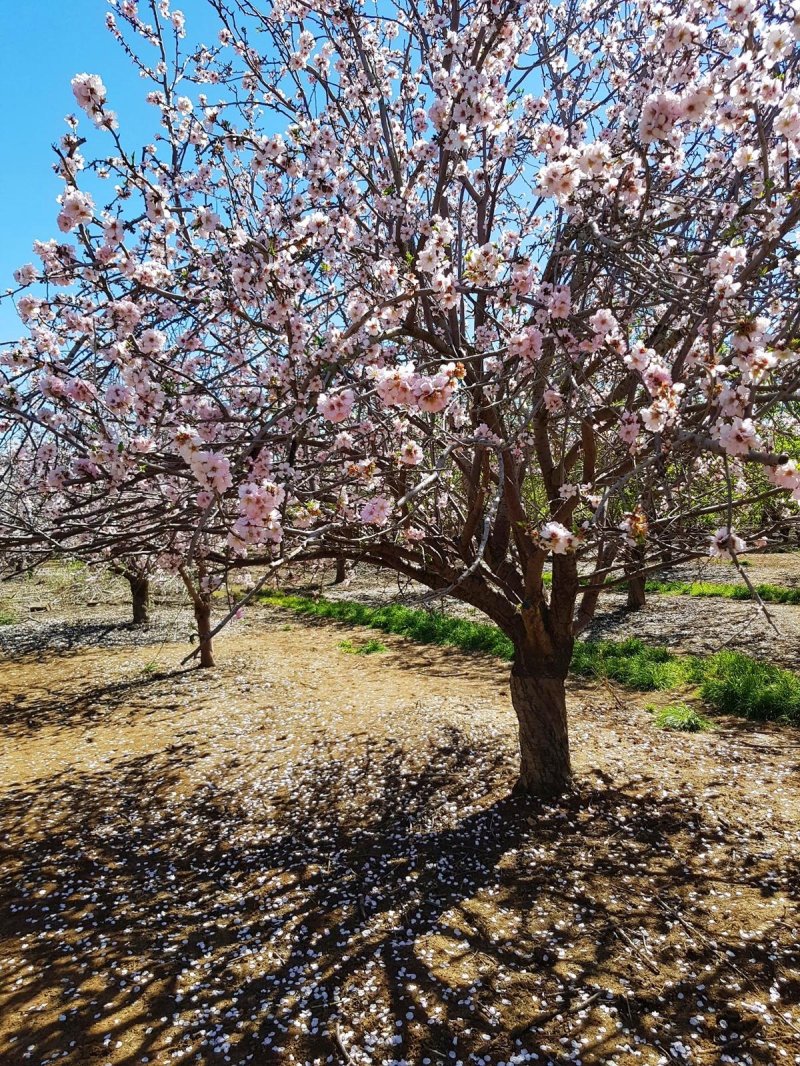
(303,856)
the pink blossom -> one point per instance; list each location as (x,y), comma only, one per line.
(429,258)
(26,274)
(725,543)
(483,433)
(560,302)
(629,427)
(412,534)
(213,471)
(395,387)
(410,453)
(527,344)
(785,475)
(603,322)
(660,113)
(376,511)
(336,407)
(77,208)
(432,394)
(639,357)
(89,92)
(655,417)
(559,180)
(118,397)
(556,538)
(152,341)
(739,436)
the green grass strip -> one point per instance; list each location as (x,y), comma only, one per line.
(426,627)
(713,589)
(728,681)
(735,683)
(635,664)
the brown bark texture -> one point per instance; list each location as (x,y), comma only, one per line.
(140,599)
(636,593)
(202,616)
(540,704)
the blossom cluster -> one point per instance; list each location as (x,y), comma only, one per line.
(260,519)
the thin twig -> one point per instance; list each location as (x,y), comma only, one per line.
(645,958)
(337,1039)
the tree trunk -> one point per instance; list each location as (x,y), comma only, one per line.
(636,593)
(341,571)
(140,598)
(541,707)
(202,616)
(636,579)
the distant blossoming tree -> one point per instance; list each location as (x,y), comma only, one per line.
(465,291)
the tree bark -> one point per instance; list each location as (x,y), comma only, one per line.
(140,598)
(636,593)
(636,580)
(540,704)
(341,570)
(202,616)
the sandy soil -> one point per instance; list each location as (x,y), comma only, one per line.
(309,856)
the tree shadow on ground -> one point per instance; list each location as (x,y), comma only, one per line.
(48,638)
(30,710)
(377,904)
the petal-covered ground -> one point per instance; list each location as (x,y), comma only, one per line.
(309,856)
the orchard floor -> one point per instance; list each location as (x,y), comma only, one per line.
(308,856)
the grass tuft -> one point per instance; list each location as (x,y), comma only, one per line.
(7,617)
(369,647)
(736,684)
(634,664)
(426,627)
(682,719)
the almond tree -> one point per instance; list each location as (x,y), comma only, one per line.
(502,296)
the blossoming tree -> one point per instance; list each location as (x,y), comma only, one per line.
(500,295)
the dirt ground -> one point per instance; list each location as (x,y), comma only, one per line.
(309,856)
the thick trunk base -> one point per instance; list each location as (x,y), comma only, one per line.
(541,708)
(140,599)
(202,616)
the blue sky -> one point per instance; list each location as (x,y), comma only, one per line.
(43,44)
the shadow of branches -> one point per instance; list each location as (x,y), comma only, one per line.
(375,904)
(48,637)
(25,712)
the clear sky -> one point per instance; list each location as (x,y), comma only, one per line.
(43,44)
